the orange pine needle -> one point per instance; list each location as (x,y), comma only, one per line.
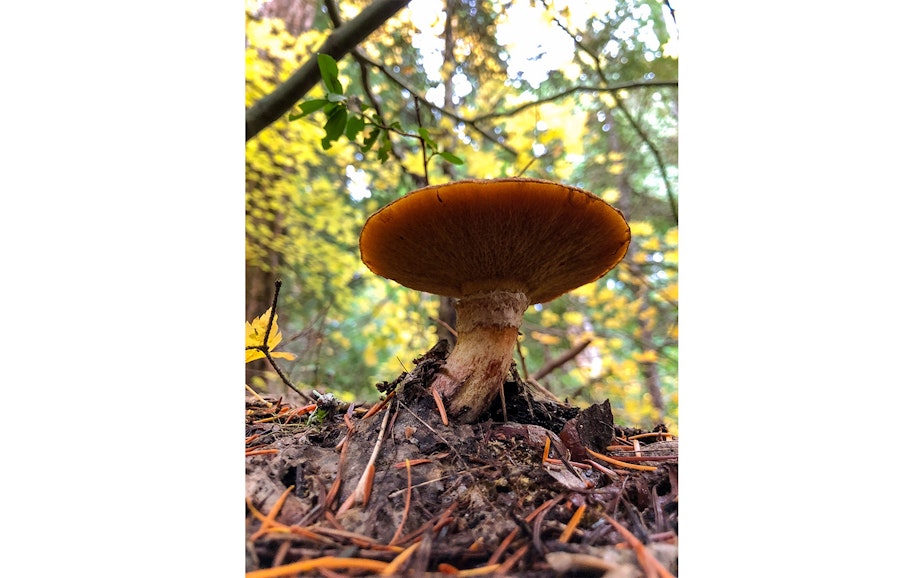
(407,505)
(326,562)
(576,465)
(378,406)
(545,506)
(572,524)
(367,491)
(249,453)
(616,462)
(479,571)
(269,521)
(645,558)
(251,438)
(545,452)
(416,462)
(654,434)
(395,565)
(505,543)
(439,405)
(507,566)
(447,568)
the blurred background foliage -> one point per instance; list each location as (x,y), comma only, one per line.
(583,93)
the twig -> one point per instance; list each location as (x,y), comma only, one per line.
(579,88)
(257,395)
(561,359)
(657,156)
(265,350)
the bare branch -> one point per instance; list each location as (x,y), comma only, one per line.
(442,110)
(572,90)
(561,359)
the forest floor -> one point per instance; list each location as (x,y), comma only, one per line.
(537,489)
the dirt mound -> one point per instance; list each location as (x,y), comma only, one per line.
(553,490)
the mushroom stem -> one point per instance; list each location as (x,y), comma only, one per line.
(487,324)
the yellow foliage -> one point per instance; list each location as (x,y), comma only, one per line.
(545,338)
(671,292)
(610,195)
(670,238)
(641,228)
(647,356)
(255,333)
(573,318)
(586,291)
(650,244)
(549,318)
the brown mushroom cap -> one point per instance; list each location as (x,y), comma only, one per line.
(533,236)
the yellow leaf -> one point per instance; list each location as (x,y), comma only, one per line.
(255,333)
(671,292)
(573,318)
(544,338)
(641,228)
(610,195)
(648,356)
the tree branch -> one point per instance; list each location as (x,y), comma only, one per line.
(272,106)
(657,157)
(578,88)
(453,115)
(561,359)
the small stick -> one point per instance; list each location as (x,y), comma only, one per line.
(257,395)
(561,359)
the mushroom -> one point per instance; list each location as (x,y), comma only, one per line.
(498,246)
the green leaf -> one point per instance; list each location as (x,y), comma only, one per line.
(451,158)
(425,135)
(336,123)
(329,73)
(354,126)
(307,108)
(370,139)
(384,148)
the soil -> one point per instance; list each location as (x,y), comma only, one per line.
(484,498)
